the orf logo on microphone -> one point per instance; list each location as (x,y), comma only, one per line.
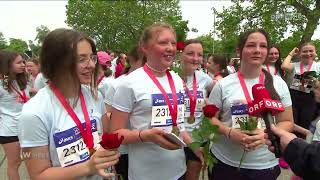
(274,106)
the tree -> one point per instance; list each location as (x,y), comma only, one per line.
(118,25)
(35,49)
(208,43)
(300,17)
(17,45)
(3,42)
(42,32)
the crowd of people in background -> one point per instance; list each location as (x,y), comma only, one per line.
(56,107)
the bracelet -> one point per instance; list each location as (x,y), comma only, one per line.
(229,133)
(290,55)
(140,136)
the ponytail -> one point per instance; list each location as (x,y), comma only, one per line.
(268,83)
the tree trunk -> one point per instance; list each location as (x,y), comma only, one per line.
(309,30)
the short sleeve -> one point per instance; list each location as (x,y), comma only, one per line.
(283,91)
(39,82)
(216,96)
(124,98)
(100,103)
(109,94)
(32,131)
(208,81)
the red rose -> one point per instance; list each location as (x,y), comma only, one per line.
(111,141)
(180,45)
(210,110)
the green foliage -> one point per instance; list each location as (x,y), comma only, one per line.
(17,45)
(177,70)
(204,137)
(208,43)
(247,126)
(34,48)
(118,25)
(42,32)
(316,42)
(3,42)
(276,17)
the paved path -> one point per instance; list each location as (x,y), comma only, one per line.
(285,174)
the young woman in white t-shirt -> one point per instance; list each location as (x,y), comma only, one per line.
(105,79)
(197,86)
(59,126)
(273,62)
(304,105)
(13,94)
(33,68)
(143,101)
(231,95)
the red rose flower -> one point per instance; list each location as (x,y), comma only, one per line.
(111,141)
(180,45)
(210,110)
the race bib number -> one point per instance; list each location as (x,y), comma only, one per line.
(199,105)
(239,113)
(70,146)
(161,117)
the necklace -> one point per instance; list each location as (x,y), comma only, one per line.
(155,69)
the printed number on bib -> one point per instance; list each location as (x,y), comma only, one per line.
(70,146)
(199,105)
(161,117)
(239,112)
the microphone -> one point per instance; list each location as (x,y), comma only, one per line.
(263,106)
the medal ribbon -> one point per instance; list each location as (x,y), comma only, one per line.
(100,79)
(85,133)
(301,67)
(268,69)
(172,108)
(193,100)
(244,87)
(22,95)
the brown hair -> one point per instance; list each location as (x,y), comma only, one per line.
(134,55)
(307,43)
(34,60)
(6,60)
(152,30)
(222,61)
(268,77)
(278,62)
(192,41)
(58,59)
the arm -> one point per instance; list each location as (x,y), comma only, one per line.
(301,130)
(105,123)
(286,65)
(285,119)
(155,135)
(39,165)
(303,158)
(233,134)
